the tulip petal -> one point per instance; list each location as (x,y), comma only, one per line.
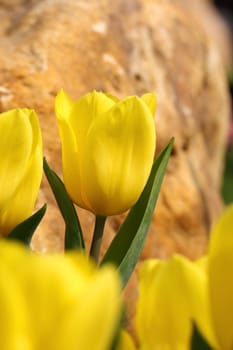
(114,98)
(119,153)
(150,101)
(70,160)
(74,123)
(81,113)
(172,295)
(23,193)
(221,278)
(126,247)
(69,303)
(59,288)
(13,334)
(13,315)
(202,263)
(63,105)
(82,116)
(73,299)
(102,294)
(15,147)
(125,342)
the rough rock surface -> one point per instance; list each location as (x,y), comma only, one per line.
(125,47)
(213,24)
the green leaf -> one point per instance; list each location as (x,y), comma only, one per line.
(73,232)
(231,77)
(127,245)
(23,232)
(227,183)
(197,341)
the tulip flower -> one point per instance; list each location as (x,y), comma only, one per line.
(172,295)
(125,342)
(107,149)
(220,271)
(21,166)
(56,302)
(175,293)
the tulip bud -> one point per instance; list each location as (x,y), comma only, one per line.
(21,166)
(108,148)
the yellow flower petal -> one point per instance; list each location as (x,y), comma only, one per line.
(15,147)
(63,105)
(21,166)
(13,316)
(114,98)
(80,114)
(98,312)
(202,263)
(56,302)
(125,342)
(221,278)
(119,153)
(74,121)
(172,295)
(150,101)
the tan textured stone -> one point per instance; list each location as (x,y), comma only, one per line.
(214,25)
(125,47)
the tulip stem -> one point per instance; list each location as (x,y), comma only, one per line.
(97,237)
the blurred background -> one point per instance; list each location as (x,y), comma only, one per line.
(226,9)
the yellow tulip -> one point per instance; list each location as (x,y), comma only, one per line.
(21,166)
(13,318)
(172,295)
(125,342)
(107,149)
(176,292)
(220,269)
(56,302)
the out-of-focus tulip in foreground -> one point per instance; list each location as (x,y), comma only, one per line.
(175,293)
(56,302)
(21,166)
(108,148)
(220,273)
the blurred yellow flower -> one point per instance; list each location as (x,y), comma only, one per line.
(107,149)
(125,342)
(175,293)
(172,295)
(21,166)
(220,272)
(56,302)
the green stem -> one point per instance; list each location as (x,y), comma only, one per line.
(97,237)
